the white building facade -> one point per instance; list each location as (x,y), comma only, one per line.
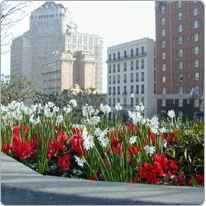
(131,76)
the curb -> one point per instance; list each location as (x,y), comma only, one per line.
(20,185)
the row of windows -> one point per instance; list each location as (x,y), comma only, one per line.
(181,64)
(181,90)
(180,16)
(180,102)
(46,16)
(181,41)
(177,5)
(182,77)
(137,53)
(138,64)
(113,102)
(182,52)
(137,79)
(135,90)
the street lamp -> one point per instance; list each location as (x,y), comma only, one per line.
(132,97)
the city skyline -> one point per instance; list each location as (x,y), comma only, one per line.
(108,28)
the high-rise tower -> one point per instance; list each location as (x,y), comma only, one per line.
(49,32)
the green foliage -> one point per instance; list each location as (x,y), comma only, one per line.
(188,149)
(16,88)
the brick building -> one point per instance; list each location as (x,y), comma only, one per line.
(180,56)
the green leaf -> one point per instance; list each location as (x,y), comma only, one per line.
(194,182)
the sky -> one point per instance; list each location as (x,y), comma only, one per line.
(115,22)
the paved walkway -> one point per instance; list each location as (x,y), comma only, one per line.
(22,186)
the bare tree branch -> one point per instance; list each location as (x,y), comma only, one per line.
(12,12)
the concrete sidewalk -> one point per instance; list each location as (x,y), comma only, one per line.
(21,185)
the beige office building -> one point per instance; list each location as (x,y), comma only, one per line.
(63,70)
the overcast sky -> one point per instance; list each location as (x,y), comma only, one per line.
(115,21)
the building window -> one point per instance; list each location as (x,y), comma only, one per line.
(197,89)
(132,77)
(163,103)
(137,51)
(197,76)
(163,44)
(163,55)
(118,55)
(196,103)
(163,79)
(137,101)
(196,50)
(132,53)
(118,79)
(163,32)
(180,16)
(142,76)
(142,89)
(163,90)
(137,64)
(114,90)
(180,53)
(180,103)
(118,90)
(180,28)
(179,4)
(125,101)
(163,67)
(132,89)
(162,9)
(137,89)
(125,78)
(137,77)
(142,64)
(125,66)
(114,68)
(125,54)
(181,65)
(196,63)
(181,77)
(142,100)
(118,67)
(132,65)
(163,21)
(181,90)
(195,11)
(195,24)
(114,79)
(180,40)
(195,37)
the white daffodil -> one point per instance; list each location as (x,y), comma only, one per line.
(171,114)
(133,139)
(118,107)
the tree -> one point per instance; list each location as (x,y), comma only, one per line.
(16,88)
(12,12)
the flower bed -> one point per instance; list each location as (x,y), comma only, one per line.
(167,152)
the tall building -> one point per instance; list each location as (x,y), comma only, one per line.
(63,70)
(50,31)
(180,56)
(130,74)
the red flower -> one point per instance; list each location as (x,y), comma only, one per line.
(114,140)
(152,135)
(135,180)
(92,178)
(181,180)
(199,178)
(133,150)
(64,162)
(6,147)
